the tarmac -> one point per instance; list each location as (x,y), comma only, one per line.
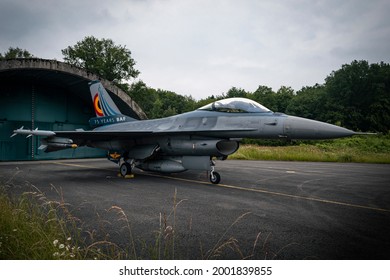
(260,210)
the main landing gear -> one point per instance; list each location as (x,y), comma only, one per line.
(125,169)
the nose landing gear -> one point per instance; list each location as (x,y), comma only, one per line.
(215,178)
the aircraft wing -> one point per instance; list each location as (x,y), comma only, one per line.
(102,135)
(108,135)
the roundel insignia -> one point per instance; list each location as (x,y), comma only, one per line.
(96,105)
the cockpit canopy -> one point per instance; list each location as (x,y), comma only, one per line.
(236,105)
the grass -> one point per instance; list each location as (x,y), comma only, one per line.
(364,149)
(32,227)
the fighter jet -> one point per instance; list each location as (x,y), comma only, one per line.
(182,142)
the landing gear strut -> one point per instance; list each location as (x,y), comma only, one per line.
(215,178)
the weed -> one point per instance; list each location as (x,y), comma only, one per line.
(34,227)
(368,149)
(230,243)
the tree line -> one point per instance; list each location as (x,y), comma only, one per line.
(356,96)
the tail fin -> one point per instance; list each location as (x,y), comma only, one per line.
(105,109)
(102,102)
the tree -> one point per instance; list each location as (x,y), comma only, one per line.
(283,97)
(16,53)
(102,57)
(347,92)
(144,96)
(236,92)
(160,103)
(208,100)
(275,101)
(360,94)
(265,96)
(379,108)
(170,103)
(308,103)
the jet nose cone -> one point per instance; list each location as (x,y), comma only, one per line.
(301,128)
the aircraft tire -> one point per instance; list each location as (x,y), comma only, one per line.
(125,169)
(215,178)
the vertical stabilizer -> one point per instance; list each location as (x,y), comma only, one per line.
(105,109)
(102,102)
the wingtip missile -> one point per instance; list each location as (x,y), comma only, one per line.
(35,132)
(15,132)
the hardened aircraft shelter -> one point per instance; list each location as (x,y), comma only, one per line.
(49,95)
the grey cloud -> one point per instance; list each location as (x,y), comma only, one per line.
(204,47)
(18,20)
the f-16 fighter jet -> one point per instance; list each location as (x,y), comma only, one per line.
(191,140)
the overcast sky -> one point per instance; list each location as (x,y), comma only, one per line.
(205,47)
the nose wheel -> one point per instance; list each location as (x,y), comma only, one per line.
(215,178)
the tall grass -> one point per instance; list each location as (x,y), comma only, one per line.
(34,227)
(365,149)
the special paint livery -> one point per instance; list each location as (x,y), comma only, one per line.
(105,109)
(103,104)
(187,141)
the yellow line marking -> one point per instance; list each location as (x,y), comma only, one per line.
(280,194)
(310,198)
(245,189)
(80,165)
